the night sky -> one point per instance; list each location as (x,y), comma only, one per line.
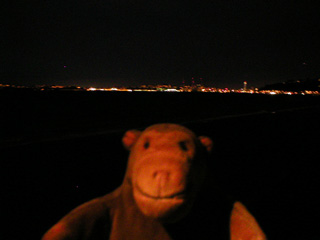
(126,42)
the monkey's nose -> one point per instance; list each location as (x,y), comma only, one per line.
(161,177)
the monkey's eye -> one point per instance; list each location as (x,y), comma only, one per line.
(183,146)
(146,145)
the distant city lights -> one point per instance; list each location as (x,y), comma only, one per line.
(164,88)
(200,88)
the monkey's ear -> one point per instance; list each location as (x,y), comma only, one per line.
(130,138)
(206,142)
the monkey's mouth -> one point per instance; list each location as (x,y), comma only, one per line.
(177,195)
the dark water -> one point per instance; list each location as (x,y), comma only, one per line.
(61,149)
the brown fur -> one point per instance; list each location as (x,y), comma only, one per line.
(165,171)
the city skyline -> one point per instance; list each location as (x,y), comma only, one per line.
(294,87)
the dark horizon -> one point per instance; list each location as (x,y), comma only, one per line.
(116,43)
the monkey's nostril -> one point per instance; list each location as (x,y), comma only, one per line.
(161,173)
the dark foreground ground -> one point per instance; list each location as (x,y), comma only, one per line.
(267,157)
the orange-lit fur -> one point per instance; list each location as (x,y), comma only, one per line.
(243,225)
(166,169)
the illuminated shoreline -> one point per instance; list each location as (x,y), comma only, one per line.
(161,88)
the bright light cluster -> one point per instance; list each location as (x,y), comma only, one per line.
(165,88)
(169,88)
